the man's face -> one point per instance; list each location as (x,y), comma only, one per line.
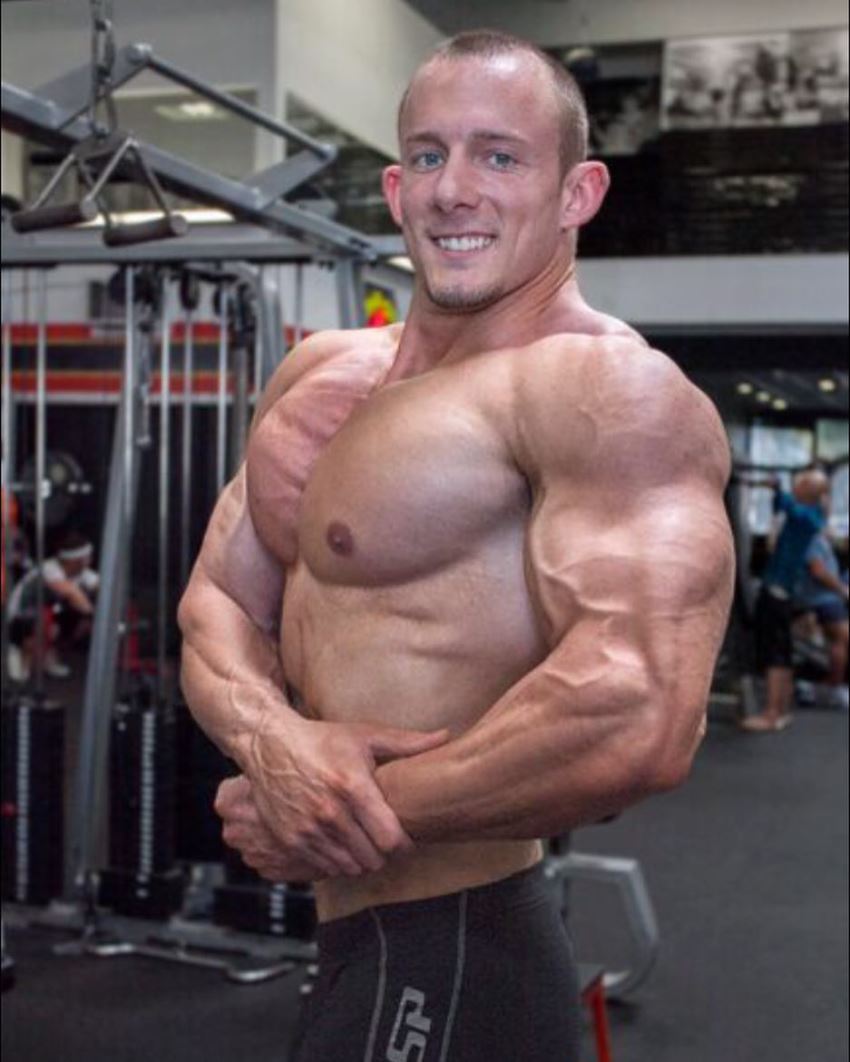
(76,566)
(479,193)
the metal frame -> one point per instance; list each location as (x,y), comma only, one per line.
(207,243)
(267,230)
(627,875)
(54,115)
(101,678)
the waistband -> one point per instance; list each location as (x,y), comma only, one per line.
(484,904)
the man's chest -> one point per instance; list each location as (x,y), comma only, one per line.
(390,487)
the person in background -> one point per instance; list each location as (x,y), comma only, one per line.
(805,512)
(70,585)
(823,592)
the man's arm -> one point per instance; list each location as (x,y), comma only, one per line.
(74,595)
(821,573)
(312,782)
(630,564)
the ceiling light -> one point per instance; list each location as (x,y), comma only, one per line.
(780,403)
(745,388)
(190,111)
(762,396)
(826,384)
(195,216)
(402,262)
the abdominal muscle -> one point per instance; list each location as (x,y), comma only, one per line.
(420,657)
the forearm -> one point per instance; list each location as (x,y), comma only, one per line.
(555,752)
(74,597)
(231,674)
(613,715)
(828,580)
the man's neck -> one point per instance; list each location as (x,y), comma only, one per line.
(433,336)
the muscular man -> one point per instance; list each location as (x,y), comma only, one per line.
(466,591)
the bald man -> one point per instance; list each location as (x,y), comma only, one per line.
(805,514)
(466,591)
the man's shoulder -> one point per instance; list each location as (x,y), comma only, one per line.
(618,362)
(52,571)
(615,394)
(321,348)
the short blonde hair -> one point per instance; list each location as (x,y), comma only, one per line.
(486,44)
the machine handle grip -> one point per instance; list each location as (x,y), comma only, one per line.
(54,217)
(141,232)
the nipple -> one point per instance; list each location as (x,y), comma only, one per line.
(340,539)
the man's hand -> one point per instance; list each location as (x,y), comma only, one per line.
(245,831)
(314,788)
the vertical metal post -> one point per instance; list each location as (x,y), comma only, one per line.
(164,514)
(7,471)
(352,313)
(269,328)
(298,326)
(186,449)
(40,476)
(259,337)
(240,420)
(221,418)
(99,693)
(130,383)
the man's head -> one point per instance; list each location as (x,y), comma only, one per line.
(74,553)
(812,487)
(572,117)
(493,179)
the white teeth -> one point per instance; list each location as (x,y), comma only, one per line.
(464,243)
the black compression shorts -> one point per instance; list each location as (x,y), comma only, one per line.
(483,975)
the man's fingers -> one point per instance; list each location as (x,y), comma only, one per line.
(348,831)
(231,794)
(379,821)
(390,743)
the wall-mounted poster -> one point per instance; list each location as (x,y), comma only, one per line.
(797,78)
(623,114)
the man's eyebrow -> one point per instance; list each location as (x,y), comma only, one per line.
(426,137)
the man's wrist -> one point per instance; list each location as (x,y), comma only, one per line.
(273,722)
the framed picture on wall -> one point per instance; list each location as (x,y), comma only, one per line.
(795,78)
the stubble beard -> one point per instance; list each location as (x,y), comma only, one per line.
(463,300)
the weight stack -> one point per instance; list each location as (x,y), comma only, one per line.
(33,800)
(249,903)
(142,879)
(201,768)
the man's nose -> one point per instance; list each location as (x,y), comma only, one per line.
(456,185)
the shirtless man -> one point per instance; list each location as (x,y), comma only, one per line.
(466,592)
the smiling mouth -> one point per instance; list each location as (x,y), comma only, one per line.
(464,244)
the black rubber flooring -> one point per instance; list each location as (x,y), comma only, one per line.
(747,868)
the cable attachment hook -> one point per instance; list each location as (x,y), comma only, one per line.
(102,66)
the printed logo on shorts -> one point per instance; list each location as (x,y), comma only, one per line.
(410,1031)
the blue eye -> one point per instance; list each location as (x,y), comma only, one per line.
(502,159)
(426,160)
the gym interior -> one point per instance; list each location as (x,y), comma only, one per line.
(192,188)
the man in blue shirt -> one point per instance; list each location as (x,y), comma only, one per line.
(821,590)
(805,513)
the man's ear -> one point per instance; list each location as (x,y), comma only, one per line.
(585,187)
(391,185)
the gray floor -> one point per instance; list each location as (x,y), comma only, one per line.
(747,866)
